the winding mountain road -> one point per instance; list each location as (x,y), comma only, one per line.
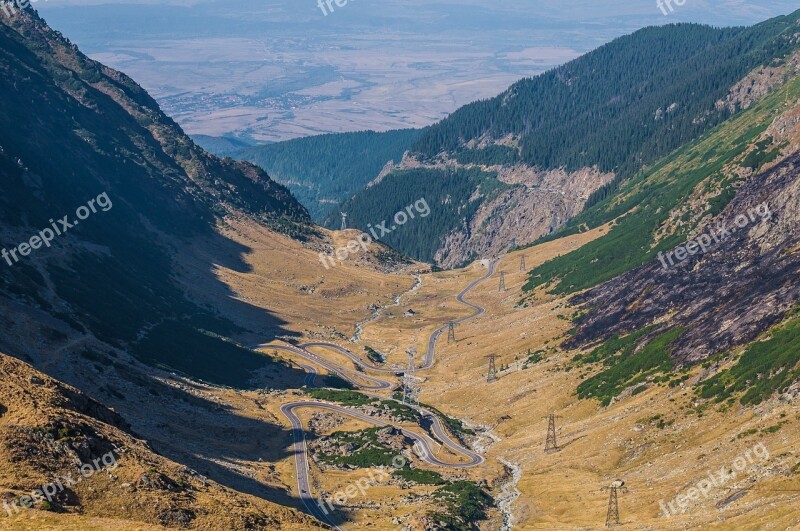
(375,384)
(431,352)
(423,443)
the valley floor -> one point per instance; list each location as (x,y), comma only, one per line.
(660,441)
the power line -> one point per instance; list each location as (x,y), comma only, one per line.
(612,516)
(491,376)
(551,444)
(451,332)
(410,387)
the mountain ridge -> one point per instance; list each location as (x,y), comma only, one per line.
(619,126)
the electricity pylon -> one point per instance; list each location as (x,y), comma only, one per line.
(410,387)
(502,281)
(522,267)
(551,445)
(612,516)
(491,376)
(344,221)
(451,332)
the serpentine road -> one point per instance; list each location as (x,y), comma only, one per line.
(431,352)
(422,442)
(375,384)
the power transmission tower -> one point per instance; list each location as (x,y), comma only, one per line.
(344,221)
(551,445)
(451,332)
(612,516)
(410,387)
(502,281)
(522,267)
(492,375)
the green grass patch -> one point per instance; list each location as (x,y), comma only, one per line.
(615,346)
(533,358)
(355,399)
(419,476)
(776,428)
(373,355)
(340,396)
(762,154)
(627,368)
(465,503)
(766,367)
(369,451)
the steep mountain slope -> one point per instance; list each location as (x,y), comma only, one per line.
(46,427)
(569,137)
(721,292)
(131,186)
(322,171)
(621,106)
(729,283)
(170,264)
(210,256)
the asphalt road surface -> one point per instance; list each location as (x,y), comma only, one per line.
(423,444)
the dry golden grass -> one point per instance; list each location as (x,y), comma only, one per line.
(563,490)
(558,491)
(42,521)
(117,497)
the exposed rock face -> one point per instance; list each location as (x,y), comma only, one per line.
(393,438)
(542,202)
(726,297)
(322,421)
(758,84)
(539,203)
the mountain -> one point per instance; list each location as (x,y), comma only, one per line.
(177,324)
(132,186)
(132,305)
(47,426)
(567,138)
(113,236)
(323,171)
(700,262)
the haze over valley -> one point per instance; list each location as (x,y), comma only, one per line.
(271,70)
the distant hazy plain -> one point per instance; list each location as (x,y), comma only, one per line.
(277,69)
